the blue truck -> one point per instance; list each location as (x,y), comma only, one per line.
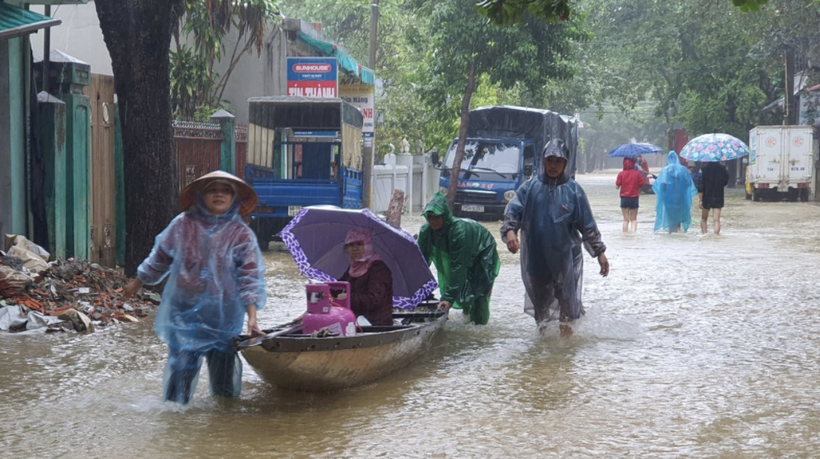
(502,150)
(301,152)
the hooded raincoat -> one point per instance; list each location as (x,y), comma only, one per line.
(466,260)
(554,219)
(214,270)
(675,190)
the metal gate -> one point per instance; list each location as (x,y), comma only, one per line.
(103,244)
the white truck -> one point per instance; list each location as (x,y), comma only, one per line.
(781,162)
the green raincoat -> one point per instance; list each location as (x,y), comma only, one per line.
(466,259)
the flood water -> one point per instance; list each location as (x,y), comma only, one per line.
(695,346)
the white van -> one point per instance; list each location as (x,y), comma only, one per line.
(781,162)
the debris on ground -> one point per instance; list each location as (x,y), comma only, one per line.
(63,295)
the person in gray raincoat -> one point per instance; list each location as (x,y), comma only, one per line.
(555,219)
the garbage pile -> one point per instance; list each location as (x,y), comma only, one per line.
(72,295)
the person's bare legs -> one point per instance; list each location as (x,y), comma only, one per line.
(633,219)
(716,220)
(625,211)
(704,217)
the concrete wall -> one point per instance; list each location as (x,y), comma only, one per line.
(255,75)
(79,35)
(389,176)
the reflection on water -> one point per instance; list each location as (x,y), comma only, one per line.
(698,346)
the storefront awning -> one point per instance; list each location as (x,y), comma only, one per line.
(345,61)
(16,22)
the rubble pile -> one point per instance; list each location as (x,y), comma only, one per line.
(64,295)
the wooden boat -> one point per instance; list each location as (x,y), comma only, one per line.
(291,360)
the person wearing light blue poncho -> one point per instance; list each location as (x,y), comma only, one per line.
(674,189)
(215,277)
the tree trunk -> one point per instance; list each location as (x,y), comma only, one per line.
(395,209)
(455,172)
(138,37)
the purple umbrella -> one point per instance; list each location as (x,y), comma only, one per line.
(315,238)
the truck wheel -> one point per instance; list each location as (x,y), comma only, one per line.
(748,196)
(793,194)
(262,231)
(804,195)
(756,195)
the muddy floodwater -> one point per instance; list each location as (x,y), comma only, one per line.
(695,346)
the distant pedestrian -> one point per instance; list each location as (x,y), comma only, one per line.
(675,190)
(694,172)
(629,181)
(715,178)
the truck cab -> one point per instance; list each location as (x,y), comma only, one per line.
(301,152)
(492,169)
(502,150)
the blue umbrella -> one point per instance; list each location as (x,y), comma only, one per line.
(712,148)
(633,150)
(315,238)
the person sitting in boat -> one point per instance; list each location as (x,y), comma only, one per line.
(371,283)
(465,256)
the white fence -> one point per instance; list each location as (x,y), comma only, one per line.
(395,174)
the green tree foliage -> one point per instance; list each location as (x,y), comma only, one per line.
(195,87)
(704,63)
(464,45)
(506,12)
(399,66)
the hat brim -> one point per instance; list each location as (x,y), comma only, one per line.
(244,193)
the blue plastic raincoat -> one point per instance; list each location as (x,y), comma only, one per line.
(675,190)
(215,270)
(554,219)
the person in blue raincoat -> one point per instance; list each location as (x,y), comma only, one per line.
(553,215)
(215,277)
(675,190)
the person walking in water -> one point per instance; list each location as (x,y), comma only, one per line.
(555,220)
(675,190)
(629,181)
(466,259)
(215,276)
(714,178)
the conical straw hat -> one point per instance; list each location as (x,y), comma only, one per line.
(244,193)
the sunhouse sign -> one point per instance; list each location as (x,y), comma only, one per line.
(313,77)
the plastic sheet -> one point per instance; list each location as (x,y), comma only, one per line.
(526,123)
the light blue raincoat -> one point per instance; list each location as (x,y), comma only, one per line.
(675,190)
(215,270)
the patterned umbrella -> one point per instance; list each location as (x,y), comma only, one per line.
(712,148)
(315,238)
(633,150)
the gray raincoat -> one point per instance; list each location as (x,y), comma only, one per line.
(554,220)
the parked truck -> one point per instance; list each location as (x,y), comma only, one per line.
(301,152)
(780,162)
(503,149)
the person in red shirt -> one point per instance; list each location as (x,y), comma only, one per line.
(629,181)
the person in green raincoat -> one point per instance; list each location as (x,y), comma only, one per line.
(465,256)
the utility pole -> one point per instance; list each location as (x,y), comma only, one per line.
(789,101)
(367,188)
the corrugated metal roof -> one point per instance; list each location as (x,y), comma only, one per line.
(15,22)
